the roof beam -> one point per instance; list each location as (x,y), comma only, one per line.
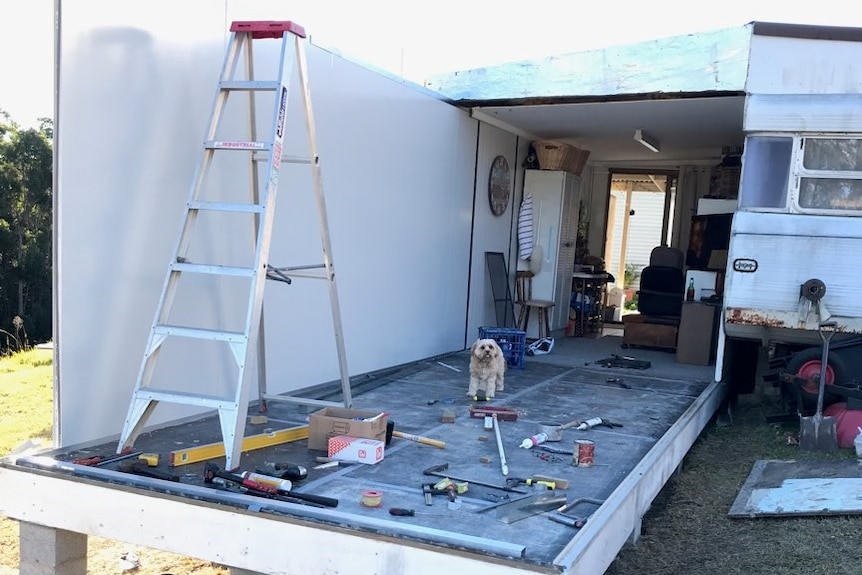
(478,114)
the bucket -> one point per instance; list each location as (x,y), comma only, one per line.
(583,453)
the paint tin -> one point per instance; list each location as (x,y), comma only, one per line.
(583,453)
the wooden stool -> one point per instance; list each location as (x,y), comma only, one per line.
(526,303)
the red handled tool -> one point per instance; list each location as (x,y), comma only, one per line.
(212,471)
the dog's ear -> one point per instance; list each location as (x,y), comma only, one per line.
(473,347)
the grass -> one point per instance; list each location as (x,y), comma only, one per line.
(26,413)
(26,398)
(686,531)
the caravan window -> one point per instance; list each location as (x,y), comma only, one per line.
(830,174)
(766,172)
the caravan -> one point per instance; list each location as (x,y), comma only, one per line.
(792,257)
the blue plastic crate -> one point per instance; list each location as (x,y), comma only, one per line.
(513,342)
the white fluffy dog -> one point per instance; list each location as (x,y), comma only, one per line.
(487,368)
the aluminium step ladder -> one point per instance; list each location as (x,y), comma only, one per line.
(233,407)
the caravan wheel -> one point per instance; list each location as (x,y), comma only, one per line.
(806,364)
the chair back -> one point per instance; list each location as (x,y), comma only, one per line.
(523,286)
(667,257)
(662,291)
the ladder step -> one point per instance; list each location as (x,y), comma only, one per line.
(186,398)
(236,145)
(260,157)
(249,85)
(301,400)
(307,275)
(227,207)
(200,333)
(213,269)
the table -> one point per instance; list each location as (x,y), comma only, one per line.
(591,314)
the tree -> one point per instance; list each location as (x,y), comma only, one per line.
(26,181)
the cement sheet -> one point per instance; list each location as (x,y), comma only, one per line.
(801,488)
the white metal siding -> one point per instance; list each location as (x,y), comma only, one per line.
(837,113)
(779,65)
(789,250)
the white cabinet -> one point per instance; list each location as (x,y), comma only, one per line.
(555,229)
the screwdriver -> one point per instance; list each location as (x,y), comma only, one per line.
(402,512)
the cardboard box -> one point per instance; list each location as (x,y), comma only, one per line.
(331,421)
(355,449)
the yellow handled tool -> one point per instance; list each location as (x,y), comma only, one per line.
(151,459)
(420,439)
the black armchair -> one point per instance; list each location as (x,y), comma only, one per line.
(660,297)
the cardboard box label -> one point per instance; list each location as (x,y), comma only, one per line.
(355,449)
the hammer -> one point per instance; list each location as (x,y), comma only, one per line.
(437,471)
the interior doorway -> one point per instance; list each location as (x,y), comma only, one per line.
(640,217)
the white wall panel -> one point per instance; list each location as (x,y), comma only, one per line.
(135,90)
(491,233)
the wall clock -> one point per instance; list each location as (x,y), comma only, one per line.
(498,186)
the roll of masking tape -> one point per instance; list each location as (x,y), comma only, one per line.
(371,498)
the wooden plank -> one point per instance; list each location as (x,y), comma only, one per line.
(211,451)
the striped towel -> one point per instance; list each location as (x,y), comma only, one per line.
(525,228)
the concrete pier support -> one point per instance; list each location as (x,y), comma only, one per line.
(49,551)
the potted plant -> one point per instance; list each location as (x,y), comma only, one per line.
(630,279)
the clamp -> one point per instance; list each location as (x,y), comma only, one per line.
(429,491)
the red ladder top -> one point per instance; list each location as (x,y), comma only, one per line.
(267,28)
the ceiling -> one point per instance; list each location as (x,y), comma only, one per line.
(688,129)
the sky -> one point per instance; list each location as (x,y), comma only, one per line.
(405,39)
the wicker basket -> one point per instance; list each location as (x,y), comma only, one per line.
(575,160)
(551,155)
(559,156)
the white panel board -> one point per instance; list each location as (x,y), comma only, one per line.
(690,63)
(398,170)
(491,233)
